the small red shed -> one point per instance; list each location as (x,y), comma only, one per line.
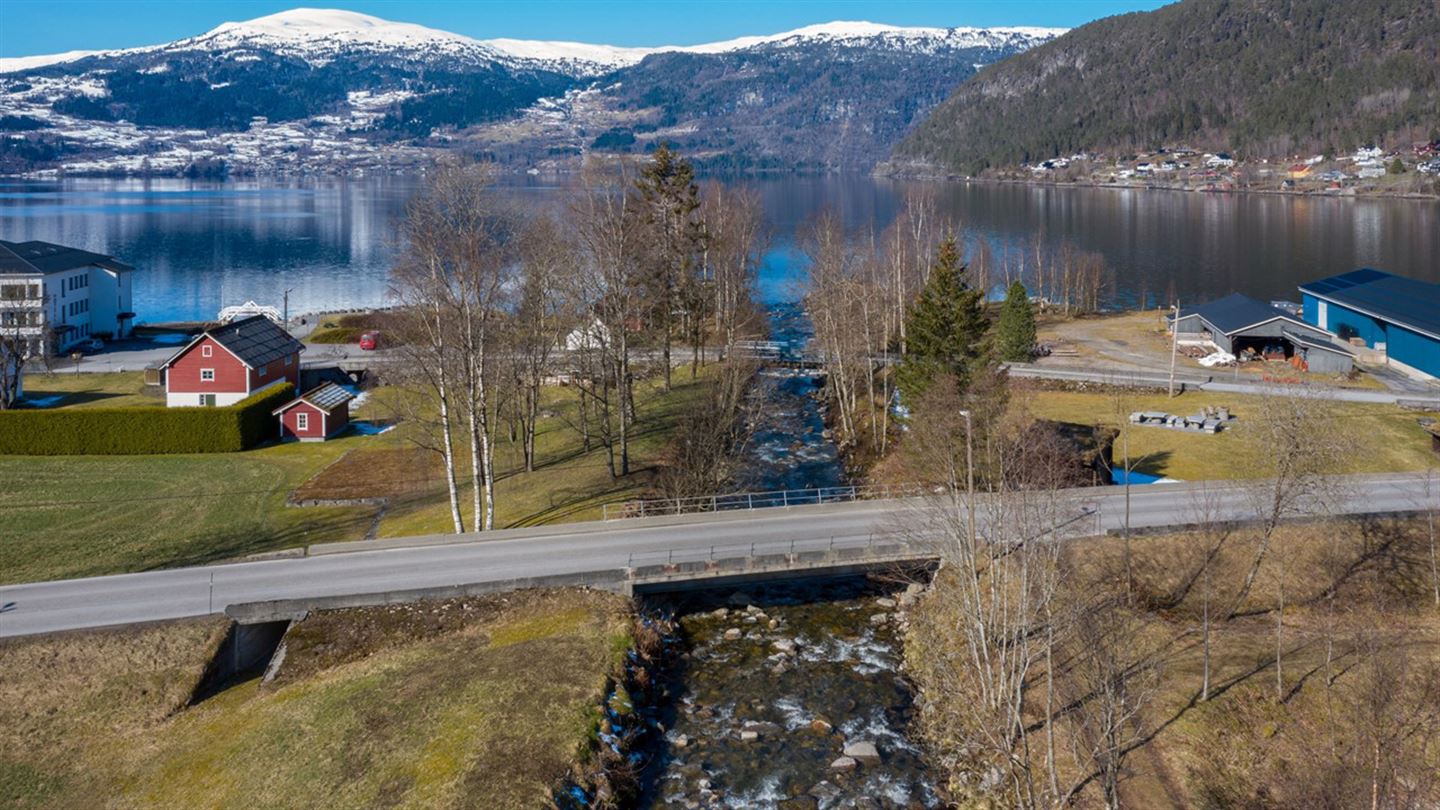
(316,415)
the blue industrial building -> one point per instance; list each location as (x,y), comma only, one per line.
(1395,315)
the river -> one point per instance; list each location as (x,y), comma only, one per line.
(199,246)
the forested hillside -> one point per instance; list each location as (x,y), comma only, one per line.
(1264,78)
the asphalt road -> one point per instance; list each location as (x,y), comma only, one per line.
(428,562)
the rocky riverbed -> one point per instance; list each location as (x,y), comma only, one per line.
(790,696)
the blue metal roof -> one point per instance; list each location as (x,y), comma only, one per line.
(1399,300)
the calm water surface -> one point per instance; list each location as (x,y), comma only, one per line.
(200,246)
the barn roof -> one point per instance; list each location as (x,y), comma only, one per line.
(1236,312)
(255,341)
(1399,300)
(327,397)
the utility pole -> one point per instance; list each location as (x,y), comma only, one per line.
(286,316)
(1174,345)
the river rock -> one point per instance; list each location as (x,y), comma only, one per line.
(749,736)
(844,764)
(784,645)
(682,741)
(863,751)
(821,726)
(826,791)
(774,624)
(719,613)
(880,618)
(733,634)
(799,803)
(761,728)
(885,602)
(738,599)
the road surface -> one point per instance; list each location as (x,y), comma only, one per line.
(432,562)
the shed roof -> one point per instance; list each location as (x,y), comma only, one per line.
(1236,312)
(1404,301)
(30,258)
(327,397)
(255,341)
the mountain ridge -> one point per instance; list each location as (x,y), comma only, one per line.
(333,90)
(1260,79)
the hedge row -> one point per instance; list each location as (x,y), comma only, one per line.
(143,431)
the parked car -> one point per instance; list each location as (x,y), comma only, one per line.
(370,341)
(90,346)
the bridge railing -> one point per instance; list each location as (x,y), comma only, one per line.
(781,554)
(703,504)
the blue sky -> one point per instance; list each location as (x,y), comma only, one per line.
(29,27)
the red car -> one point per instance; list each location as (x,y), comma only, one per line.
(370,341)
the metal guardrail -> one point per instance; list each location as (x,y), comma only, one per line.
(704,504)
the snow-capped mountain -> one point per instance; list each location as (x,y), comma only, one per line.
(373,83)
(320,35)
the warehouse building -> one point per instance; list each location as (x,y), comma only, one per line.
(1397,318)
(1237,322)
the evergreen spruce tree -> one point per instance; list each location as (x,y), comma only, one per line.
(944,329)
(1015,331)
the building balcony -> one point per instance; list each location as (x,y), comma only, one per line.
(22,303)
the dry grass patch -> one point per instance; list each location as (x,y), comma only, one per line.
(375,473)
(73,700)
(480,702)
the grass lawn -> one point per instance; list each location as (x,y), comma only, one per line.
(75,516)
(482,702)
(1382,438)
(568,483)
(123,389)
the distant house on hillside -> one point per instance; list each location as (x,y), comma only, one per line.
(229,363)
(1299,170)
(61,295)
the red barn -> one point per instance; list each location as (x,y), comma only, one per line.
(224,365)
(316,415)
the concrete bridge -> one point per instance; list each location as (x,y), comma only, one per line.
(635,554)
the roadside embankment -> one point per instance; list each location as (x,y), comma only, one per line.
(475,702)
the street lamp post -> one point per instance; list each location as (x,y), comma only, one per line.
(286,314)
(1174,345)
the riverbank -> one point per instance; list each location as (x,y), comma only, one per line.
(484,702)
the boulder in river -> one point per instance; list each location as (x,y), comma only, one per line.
(733,634)
(844,764)
(885,602)
(821,726)
(784,645)
(880,618)
(739,599)
(863,751)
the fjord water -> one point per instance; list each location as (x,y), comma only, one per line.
(199,246)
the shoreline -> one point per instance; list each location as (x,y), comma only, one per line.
(1340,194)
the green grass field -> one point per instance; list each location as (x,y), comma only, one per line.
(74,516)
(1380,438)
(484,702)
(125,389)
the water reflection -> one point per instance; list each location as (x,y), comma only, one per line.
(201,245)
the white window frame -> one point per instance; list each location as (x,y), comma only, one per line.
(207,350)
(302,421)
(207,375)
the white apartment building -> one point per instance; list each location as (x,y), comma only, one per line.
(53,297)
